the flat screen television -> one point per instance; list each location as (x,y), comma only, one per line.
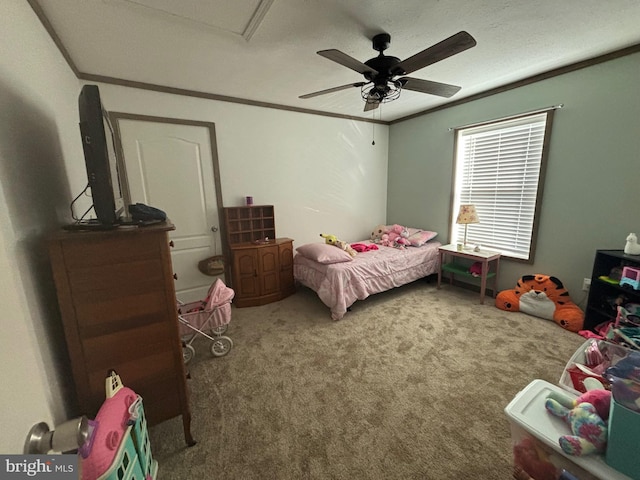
(98,143)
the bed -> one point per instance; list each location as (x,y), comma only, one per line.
(340,284)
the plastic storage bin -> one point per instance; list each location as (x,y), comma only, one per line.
(623,444)
(572,377)
(535,435)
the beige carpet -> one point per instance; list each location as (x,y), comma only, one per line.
(411,384)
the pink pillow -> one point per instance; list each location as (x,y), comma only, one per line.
(324,253)
(421,237)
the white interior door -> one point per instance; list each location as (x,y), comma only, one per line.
(170,166)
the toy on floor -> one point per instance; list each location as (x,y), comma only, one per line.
(542,296)
(333,240)
(586,416)
(208,318)
(632,247)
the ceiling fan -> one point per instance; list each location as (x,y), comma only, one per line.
(381,73)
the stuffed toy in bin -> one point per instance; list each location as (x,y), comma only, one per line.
(587,417)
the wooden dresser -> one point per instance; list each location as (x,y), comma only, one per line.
(262,265)
(117,299)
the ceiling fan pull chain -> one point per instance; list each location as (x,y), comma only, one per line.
(373,117)
(373,127)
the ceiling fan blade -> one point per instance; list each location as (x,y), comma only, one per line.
(347,61)
(368,106)
(331,90)
(427,86)
(457,43)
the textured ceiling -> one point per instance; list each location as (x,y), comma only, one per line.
(265,51)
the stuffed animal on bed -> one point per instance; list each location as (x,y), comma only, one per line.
(542,296)
(377,233)
(333,240)
(379,236)
(398,236)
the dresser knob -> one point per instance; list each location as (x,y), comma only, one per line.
(171,244)
(175,276)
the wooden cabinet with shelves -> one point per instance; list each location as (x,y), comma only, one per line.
(118,305)
(262,265)
(603,293)
(262,272)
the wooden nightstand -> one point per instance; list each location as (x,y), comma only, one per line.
(484,256)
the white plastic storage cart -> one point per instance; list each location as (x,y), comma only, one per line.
(535,436)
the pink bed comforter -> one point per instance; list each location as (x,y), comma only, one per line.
(339,285)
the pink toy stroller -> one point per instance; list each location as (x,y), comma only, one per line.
(212,315)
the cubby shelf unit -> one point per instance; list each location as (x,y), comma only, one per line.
(250,224)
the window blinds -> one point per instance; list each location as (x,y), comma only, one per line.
(498,170)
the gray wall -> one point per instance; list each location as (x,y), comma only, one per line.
(593,175)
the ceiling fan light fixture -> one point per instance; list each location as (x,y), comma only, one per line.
(372,93)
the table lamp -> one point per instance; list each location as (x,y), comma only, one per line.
(467,215)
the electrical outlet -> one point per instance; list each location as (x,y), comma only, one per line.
(586,283)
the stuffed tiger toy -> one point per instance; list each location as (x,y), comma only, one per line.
(543,296)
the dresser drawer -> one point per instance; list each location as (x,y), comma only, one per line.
(81,252)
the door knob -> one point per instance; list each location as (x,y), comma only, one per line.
(175,276)
(214,229)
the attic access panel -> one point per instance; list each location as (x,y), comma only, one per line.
(240,17)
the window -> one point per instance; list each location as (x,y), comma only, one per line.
(499,168)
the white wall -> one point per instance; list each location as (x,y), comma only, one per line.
(37,95)
(322,175)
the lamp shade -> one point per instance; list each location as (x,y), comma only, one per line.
(467,214)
